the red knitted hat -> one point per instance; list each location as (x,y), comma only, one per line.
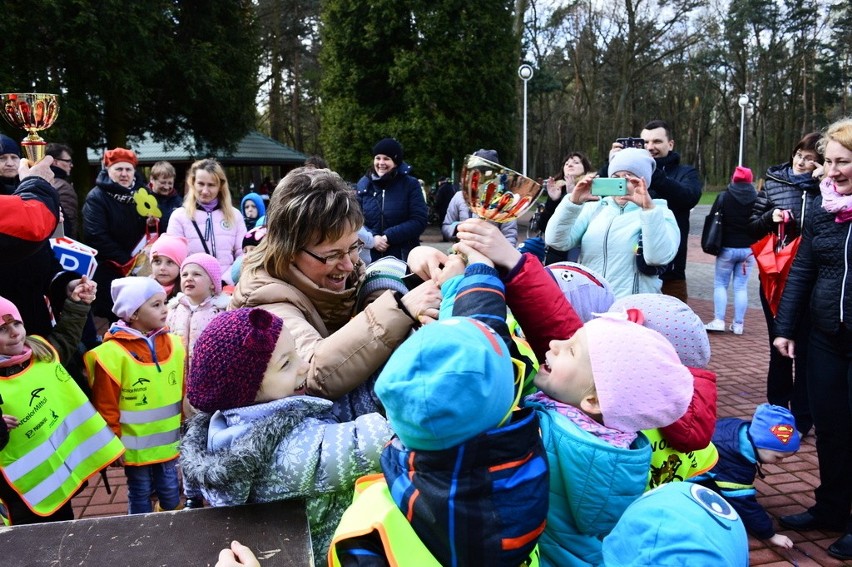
(116,155)
(230,358)
(742,175)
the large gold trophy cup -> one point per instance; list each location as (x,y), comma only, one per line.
(495,192)
(31,112)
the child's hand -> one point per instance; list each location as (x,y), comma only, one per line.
(454,266)
(40,169)
(84,291)
(487,239)
(473,255)
(11,421)
(781,541)
(237,555)
(427,262)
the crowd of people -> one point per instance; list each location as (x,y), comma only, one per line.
(308,347)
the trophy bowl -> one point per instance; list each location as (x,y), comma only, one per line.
(494,192)
(31,112)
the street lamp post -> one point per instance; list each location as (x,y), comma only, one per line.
(743,102)
(525,72)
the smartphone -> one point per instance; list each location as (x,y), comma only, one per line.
(631,142)
(609,187)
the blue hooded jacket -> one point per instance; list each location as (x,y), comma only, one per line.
(261,209)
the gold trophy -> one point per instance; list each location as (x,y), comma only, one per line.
(32,112)
(494,192)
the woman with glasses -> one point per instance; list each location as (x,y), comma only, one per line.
(307,271)
(208,220)
(789,187)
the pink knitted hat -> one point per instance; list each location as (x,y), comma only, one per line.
(639,379)
(172,247)
(230,358)
(128,294)
(8,312)
(210,265)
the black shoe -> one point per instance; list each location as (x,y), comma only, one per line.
(192,503)
(806,521)
(842,548)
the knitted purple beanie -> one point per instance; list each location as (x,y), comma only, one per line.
(640,381)
(210,265)
(230,359)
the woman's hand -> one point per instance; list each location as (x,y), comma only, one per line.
(638,192)
(818,171)
(238,555)
(781,215)
(785,346)
(427,262)
(11,421)
(583,190)
(487,239)
(380,243)
(423,302)
(554,188)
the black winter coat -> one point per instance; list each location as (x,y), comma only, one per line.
(821,276)
(736,210)
(783,190)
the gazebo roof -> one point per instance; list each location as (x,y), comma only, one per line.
(254,149)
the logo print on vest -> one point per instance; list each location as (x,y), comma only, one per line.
(140,382)
(35,394)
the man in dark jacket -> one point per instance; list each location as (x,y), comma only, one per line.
(680,185)
(61,168)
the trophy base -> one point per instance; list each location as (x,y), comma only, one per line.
(34,147)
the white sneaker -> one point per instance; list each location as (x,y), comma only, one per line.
(736,328)
(716,325)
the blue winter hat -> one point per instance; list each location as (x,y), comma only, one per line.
(774,428)
(9,146)
(679,523)
(258,202)
(447,383)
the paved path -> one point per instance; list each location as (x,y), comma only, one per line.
(740,362)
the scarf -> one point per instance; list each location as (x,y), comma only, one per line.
(615,437)
(209,207)
(834,202)
(7,361)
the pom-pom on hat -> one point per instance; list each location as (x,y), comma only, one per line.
(673,319)
(9,146)
(9,313)
(389,147)
(128,294)
(210,265)
(172,247)
(774,428)
(633,160)
(679,523)
(230,358)
(447,383)
(586,290)
(639,379)
(117,155)
(742,175)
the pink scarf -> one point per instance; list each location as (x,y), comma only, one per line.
(7,361)
(834,202)
(614,437)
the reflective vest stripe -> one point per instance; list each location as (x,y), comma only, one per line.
(85,450)
(147,416)
(39,454)
(137,443)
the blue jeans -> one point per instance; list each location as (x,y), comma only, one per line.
(736,263)
(141,481)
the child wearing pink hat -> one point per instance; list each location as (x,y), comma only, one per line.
(167,254)
(44,406)
(137,378)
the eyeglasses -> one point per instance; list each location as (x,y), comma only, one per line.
(352,252)
(62,159)
(803,157)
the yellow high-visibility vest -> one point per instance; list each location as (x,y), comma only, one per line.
(150,400)
(61,440)
(671,465)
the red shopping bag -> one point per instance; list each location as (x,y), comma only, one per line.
(774,258)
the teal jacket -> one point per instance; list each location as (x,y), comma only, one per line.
(591,484)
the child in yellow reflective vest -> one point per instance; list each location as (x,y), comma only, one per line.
(56,439)
(137,378)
